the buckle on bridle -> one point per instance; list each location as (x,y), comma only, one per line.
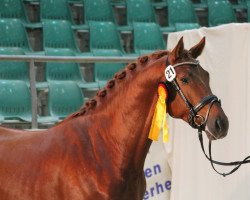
(199,120)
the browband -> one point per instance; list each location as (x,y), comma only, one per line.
(186,63)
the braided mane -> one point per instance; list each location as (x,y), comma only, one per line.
(130,68)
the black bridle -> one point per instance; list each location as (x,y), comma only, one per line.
(193,121)
(193,115)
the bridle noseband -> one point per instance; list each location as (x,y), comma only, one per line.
(194,116)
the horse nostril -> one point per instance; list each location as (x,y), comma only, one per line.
(221,127)
(218,125)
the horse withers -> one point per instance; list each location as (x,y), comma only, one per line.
(99,151)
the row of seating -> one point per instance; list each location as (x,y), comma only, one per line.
(58,34)
(15,101)
(58,40)
(180,13)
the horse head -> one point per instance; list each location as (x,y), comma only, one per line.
(190,96)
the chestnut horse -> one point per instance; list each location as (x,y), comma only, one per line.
(99,151)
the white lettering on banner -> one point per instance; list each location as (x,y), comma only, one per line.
(157,173)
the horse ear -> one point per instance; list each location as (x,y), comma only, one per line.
(177,51)
(198,48)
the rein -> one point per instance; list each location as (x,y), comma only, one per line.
(193,116)
(212,162)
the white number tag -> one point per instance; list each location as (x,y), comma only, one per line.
(170,73)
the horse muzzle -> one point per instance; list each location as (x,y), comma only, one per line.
(217,124)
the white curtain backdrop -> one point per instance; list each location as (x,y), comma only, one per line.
(227,58)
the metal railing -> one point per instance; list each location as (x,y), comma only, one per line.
(32,59)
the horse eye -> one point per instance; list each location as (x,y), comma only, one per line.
(184,80)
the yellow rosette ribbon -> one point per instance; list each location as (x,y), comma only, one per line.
(159,118)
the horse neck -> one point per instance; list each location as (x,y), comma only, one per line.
(118,126)
(131,113)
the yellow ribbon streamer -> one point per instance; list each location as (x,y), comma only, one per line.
(159,118)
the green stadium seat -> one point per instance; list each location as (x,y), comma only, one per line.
(13,35)
(220,12)
(140,11)
(13,9)
(105,41)
(181,15)
(98,10)
(55,10)
(63,71)
(147,38)
(105,71)
(104,35)
(15,101)
(57,34)
(11,70)
(64,98)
